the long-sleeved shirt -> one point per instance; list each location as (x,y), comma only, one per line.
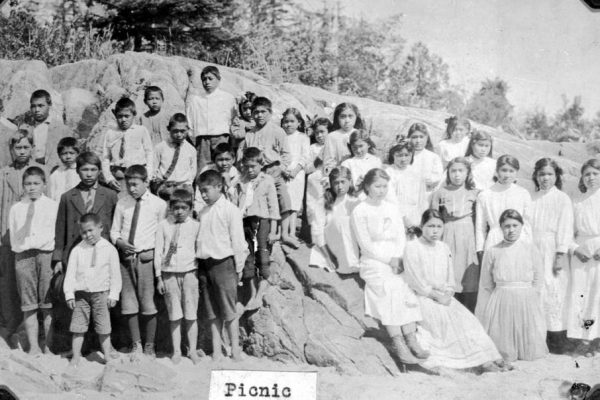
(336,149)
(152,210)
(429,166)
(299,145)
(62,180)
(138,149)
(483,171)
(258,197)
(428,267)
(211,114)
(185,169)
(38,233)
(156,125)
(184,258)
(450,149)
(360,166)
(221,233)
(93,271)
(552,213)
(40,139)
(272,141)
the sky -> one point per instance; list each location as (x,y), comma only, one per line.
(542,48)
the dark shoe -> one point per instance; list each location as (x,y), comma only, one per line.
(149,351)
(402,351)
(413,345)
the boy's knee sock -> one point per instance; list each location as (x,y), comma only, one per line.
(150,323)
(134,327)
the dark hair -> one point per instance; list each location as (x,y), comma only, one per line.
(90,217)
(34,171)
(479,136)
(543,163)
(247,99)
(41,94)
(430,214)
(164,192)
(177,118)
(401,145)
(20,135)
(209,177)
(136,171)
(592,163)
(153,89)
(262,102)
(321,121)
(297,115)
(420,127)
(361,135)
(510,214)
(222,148)
(210,69)
(358,124)
(329,194)
(88,157)
(371,176)
(125,103)
(67,142)
(181,196)
(252,154)
(507,159)
(469,183)
(453,122)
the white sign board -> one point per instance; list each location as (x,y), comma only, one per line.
(246,385)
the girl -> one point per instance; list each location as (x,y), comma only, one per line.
(331,233)
(584,304)
(320,129)
(379,232)
(407,190)
(479,154)
(242,124)
(455,338)
(552,229)
(456,203)
(299,145)
(363,156)
(456,141)
(509,305)
(346,119)
(503,195)
(426,163)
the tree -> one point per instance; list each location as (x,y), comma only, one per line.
(538,125)
(489,105)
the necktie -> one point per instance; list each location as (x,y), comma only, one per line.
(26,231)
(122,148)
(172,245)
(89,201)
(173,162)
(134,220)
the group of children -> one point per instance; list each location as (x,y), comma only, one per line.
(462,266)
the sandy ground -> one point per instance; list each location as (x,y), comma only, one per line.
(541,379)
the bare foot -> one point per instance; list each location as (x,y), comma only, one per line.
(74,363)
(290,241)
(176,358)
(194,357)
(35,351)
(237,356)
(47,351)
(218,357)
(254,304)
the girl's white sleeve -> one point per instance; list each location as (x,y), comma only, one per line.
(413,272)
(486,285)
(564,233)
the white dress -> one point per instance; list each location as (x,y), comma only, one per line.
(483,171)
(491,203)
(360,166)
(407,191)
(552,229)
(584,302)
(380,235)
(453,335)
(428,166)
(449,149)
(299,145)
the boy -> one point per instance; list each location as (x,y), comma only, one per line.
(176,269)
(92,285)
(64,177)
(154,120)
(11,177)
(272,141)
(223,164)
(175,158)
(31,225)
(128,145)
(210,114)
(47,131)
(258,201)
(133,231)
(222,251)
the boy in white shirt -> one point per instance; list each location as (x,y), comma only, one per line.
(176,269)
(31,225)
(64,177)
(92,285)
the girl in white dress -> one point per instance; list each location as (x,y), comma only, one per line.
(453,336)
(509,304)
(299,144)
(456,141)
(363,156)
(346,119)
(584,304)
(319,130)
(552,229)
(426,163)
(503,195)
(407,190)
(378,228)
(479,153)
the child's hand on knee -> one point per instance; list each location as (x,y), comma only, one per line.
(111,303)
(71,304)
(160,286)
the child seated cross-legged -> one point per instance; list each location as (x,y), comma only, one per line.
(64,177)
(222,251)
(176,269)
(92,285)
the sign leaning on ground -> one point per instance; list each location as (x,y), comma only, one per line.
(238,384)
